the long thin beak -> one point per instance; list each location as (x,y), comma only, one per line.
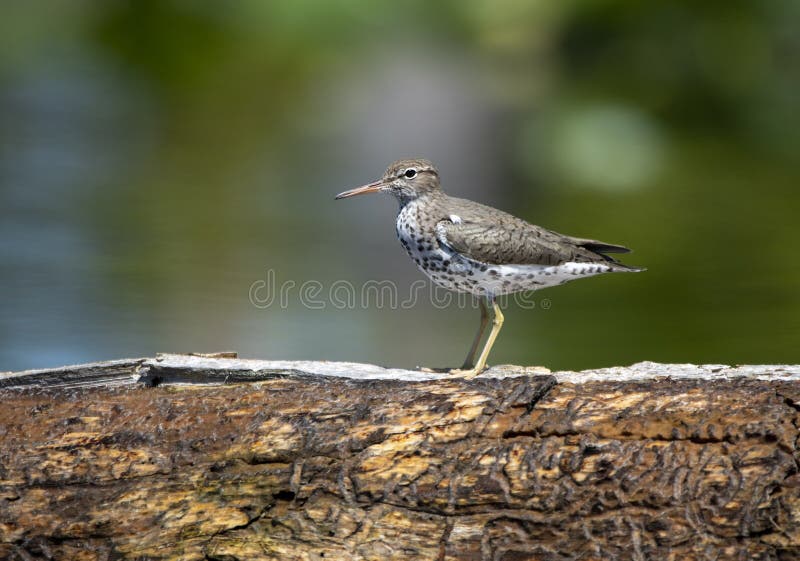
(373,187)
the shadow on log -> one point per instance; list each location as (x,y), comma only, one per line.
(228,459)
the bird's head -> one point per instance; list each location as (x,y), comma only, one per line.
(405,179)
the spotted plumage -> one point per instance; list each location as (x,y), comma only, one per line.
(468,247)
(460,255)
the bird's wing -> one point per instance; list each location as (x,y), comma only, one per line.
(598,246)
(500,245)
(491,236)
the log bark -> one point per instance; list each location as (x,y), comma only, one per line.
(184,457)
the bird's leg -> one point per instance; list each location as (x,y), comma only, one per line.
(497,323)
(469,362)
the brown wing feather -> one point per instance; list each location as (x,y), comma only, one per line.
(492,236)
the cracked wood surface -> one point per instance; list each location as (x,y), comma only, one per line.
(609,464)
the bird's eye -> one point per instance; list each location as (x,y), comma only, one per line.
(410,173)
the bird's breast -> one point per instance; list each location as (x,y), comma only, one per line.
(445,267)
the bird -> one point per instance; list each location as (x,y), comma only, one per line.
(468,247)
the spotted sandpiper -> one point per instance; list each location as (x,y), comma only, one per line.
(469,247)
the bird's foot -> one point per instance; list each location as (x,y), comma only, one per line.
(466,373)
(460,372)
(432,370)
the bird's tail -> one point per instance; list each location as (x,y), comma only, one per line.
(602,248)
(618,267)
(599,247)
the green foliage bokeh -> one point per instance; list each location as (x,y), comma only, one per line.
(159,157)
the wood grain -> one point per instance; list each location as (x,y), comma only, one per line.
(297,465)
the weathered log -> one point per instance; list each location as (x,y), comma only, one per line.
(202,458)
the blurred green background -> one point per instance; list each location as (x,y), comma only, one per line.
(157,158)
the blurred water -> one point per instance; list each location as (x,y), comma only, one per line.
(157,159)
